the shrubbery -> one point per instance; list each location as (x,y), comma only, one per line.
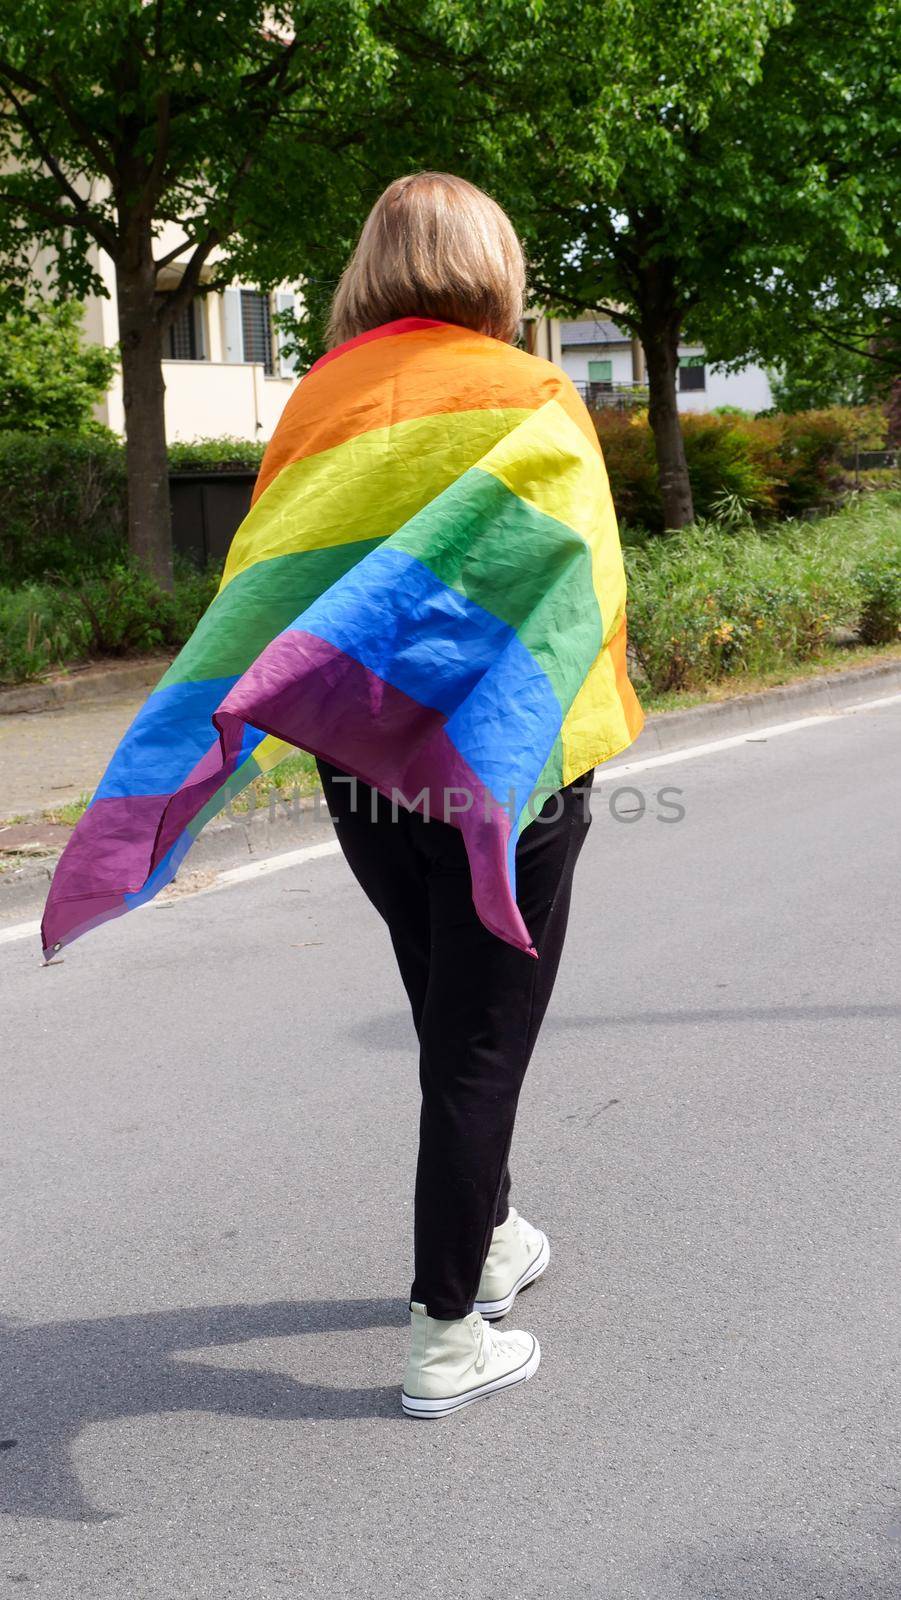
(121,612)
(879,587)
(704,605)
(216,455)
(62,504)
(723,597)
(773,466)
(50,380)
(63,498)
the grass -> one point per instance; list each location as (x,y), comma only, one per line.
(713,604)
(295,775)
(69,812)
(833,658)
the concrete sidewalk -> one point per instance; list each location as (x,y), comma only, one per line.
(50,757)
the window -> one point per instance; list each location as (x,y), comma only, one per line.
(692,374)
(256,329)
(184,339)
(600,372)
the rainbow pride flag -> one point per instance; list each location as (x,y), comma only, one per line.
(428,591)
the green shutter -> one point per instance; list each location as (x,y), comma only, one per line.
(600,372)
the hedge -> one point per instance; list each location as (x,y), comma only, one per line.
(62,504)
(63,498)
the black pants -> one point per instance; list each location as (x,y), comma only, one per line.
(477,1006)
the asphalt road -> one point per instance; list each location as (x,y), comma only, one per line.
(208,1127)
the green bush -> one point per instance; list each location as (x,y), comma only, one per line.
(62,505)
(120,613)
(216,455)
(63,499)
(50,625)
(37,633)
(50,380)
(123,612)
(880,602)
(775,465)
(727,459)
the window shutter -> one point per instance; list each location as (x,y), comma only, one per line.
(232,341)
(287,364)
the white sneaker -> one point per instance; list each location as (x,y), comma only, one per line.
(452,1363)
(518,1255)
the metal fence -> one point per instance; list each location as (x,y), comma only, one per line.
(207,510)
(621,396)
(865,460)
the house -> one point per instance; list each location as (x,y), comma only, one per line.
(607,366)
(224,367)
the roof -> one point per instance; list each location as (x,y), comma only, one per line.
(595,331)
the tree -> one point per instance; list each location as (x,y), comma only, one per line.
(816,374)
(118,117)
(704,172)
(624,171)
(50,380)
(822,263)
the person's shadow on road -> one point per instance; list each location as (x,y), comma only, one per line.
(58,1378)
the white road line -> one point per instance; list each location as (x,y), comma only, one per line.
(21,930)
(262,869)
(752,736)
(295,858)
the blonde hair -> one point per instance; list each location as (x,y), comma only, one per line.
(432,246)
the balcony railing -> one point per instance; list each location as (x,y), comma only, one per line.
(622,396)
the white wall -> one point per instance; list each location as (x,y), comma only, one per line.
(204,399)
(748,388)
(575,359)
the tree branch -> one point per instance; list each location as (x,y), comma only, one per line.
(80,127)
(174,302)
(94,225)
(56,219)
(616,314)
(172,255)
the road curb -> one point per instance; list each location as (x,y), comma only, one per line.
(88,683)
(671,730)
(228,840)
(277,825)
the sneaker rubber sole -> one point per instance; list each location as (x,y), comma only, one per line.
(413,1406)
(492,1310)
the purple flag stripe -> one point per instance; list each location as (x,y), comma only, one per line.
(119,843)
(308,692)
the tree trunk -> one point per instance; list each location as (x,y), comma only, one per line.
(661,346)
(146,462)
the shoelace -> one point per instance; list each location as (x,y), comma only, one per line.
(487,1342)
